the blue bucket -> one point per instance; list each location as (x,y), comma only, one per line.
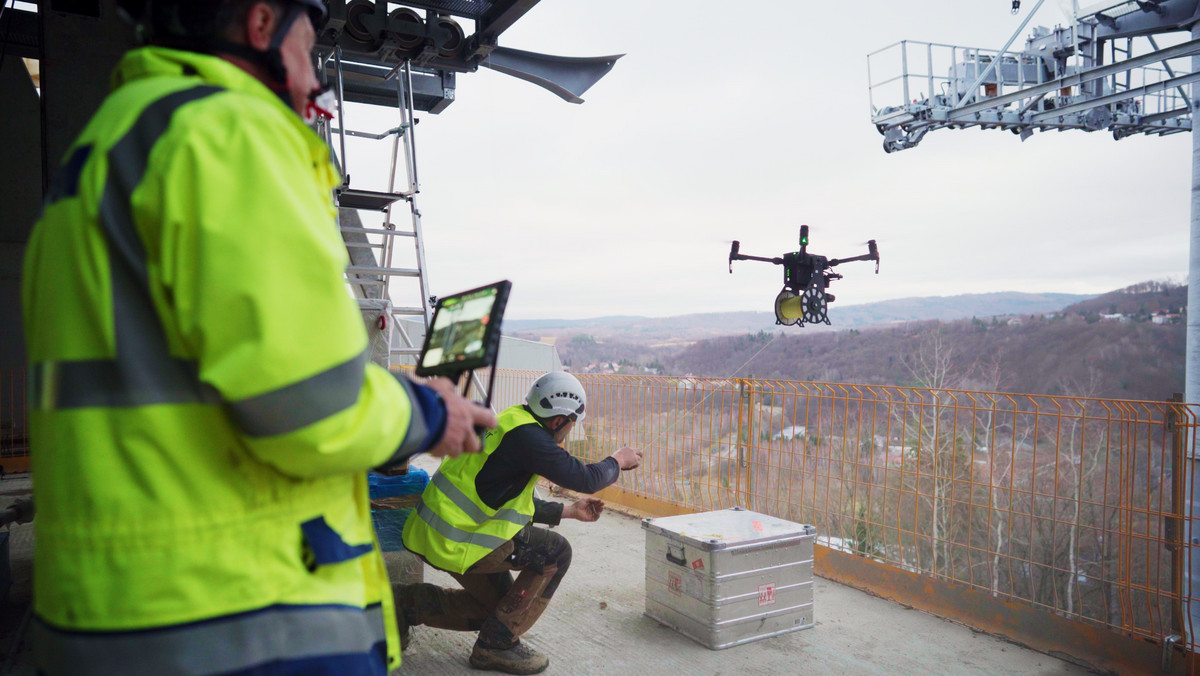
(413,483)
(389,523)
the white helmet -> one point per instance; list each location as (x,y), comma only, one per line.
(557,393)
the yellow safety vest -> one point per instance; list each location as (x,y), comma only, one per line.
(203,413)
(451,526)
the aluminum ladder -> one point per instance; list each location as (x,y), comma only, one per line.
(372,248)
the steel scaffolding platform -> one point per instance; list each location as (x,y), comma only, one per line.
(1105,72)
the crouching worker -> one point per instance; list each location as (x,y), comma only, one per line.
(474,522)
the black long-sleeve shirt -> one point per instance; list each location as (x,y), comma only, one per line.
(528,450)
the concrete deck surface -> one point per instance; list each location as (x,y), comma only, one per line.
(595,625)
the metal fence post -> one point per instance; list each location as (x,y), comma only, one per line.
(1172,527)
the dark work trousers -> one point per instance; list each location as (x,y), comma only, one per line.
(490,602)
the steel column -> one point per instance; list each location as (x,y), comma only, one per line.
(1192,371)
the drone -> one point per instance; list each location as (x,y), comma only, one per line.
(804,299)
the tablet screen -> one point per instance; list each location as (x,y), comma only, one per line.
(466,331)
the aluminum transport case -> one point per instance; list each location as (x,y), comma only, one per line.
(729,577)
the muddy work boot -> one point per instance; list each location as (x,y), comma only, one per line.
(519,659)
(405,631)
(403,626)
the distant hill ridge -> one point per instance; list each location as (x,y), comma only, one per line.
(1127,344)
(1137,301)
(713,324)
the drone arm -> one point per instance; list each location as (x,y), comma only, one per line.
(744,257)
(839,261)
(873,255)
(735,256)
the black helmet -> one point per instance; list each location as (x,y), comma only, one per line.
(198,21)
(199,26)
(317,11)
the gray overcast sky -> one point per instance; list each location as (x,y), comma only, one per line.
(721,124)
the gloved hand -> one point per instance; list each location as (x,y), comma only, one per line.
(20,511)
(584,509)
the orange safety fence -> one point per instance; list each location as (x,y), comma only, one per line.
(1072,505)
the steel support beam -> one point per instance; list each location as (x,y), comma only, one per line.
(1192,380)
(1154,88)
(1188,48)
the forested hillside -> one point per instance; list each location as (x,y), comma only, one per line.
(1126,344)
(1138,302)
(1063,355)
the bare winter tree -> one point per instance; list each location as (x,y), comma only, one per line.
(1086,390)
(930,367)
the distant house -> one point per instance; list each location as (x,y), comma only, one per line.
(1050,315)
(1015,321)
(896,455)
(789,433)
(1165,318)
(1114,317)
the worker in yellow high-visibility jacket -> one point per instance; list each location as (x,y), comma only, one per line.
(475,521)
(202,409)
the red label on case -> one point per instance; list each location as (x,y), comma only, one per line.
(766,594)
(674,583)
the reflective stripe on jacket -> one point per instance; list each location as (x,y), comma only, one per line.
(452,527)
(202,410)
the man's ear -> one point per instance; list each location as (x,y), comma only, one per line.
(259,25)
(556,423)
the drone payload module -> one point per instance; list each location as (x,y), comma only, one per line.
(806,278)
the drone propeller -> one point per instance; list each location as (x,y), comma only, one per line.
(877,240)
(873,250)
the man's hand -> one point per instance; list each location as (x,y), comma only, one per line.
(584,509)
(462,415)
(628,458)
